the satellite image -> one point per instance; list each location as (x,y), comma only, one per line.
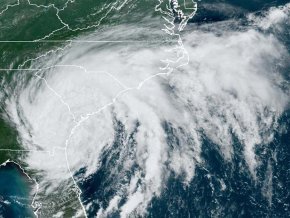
(145,108)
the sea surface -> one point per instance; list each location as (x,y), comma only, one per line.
(15,188)
(116,113)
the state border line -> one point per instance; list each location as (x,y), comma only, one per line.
(168,30)
(84,41)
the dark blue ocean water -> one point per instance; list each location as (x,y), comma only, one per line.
(15,186)
(217,10)
(242,197)
(218,189)
(206,196)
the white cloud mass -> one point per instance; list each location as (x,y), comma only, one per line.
(229,87)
